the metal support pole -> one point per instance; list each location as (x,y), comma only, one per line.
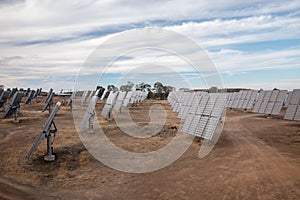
(91,124)
(16,116)
(49,156)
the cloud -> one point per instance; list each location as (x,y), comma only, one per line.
(49,39)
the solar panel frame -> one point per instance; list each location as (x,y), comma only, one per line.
(265,101)
(278,104)
(251,101)
(14,105)
(295,98)
(297,114)
(29,97)
(246,99)
(4,97)
(46,132)
(48,94)
(27,92)
(119,101)
(236,100)
(242,98)
(290,112)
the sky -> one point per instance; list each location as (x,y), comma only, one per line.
(252,44)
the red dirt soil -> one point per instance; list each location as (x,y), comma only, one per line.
(255,158)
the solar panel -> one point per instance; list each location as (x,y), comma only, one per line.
(259,101)
(194,125)
(297,114)
(39,92)
(85,95)
(242,99)
(14,106)
(187,123)
(278,103)
(127,98)
(3,98)
(292,112)
(133,96)
(184,104)
(48,102)
(27,92)
(269,107)
(251,101)
(233,97)
(90,113)
(246,99)
(91,94)
(288,98)
(46,132)
(295,98)
(265,101)
(145,95)
(210,128)
(236,100)
(29,97)
(201,124)
(203,120)
(106,111)
(12,93)
(119,101)
(36,93)
(189,104)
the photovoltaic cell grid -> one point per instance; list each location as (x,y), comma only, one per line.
(119,101)
(288,98)
(176,101)
(133,97)
(109,104)
(270,102)
(127,98)
(243,99)
(293,109)
(186,103)
(258,102)
(276,102)
(204,116)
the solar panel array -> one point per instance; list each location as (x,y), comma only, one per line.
(205,114)
(202,111)
(243,99)
(270,102)
(293,109)
(176,99)
(116,100)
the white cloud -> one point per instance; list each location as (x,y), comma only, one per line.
(64,33)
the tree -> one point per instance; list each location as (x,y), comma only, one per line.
(142,86)
(127,87)
(112,88)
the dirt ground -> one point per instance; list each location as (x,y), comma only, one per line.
(256,157)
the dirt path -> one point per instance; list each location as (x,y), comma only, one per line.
(242,165)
